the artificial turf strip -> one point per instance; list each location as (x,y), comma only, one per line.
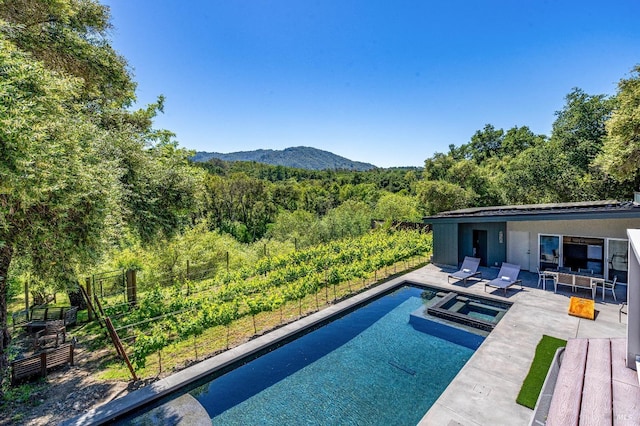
(532,384)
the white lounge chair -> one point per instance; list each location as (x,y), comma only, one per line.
(468,270)
(507,277)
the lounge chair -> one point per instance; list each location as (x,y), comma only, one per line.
(507,277)
(468,270)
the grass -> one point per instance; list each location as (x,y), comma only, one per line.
(532,384)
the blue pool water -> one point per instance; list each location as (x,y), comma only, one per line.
(368,367)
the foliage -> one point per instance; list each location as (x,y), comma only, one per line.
(582,160)
(579,129)
(301,157)
(439,195)
(397,207)
(621,150)
(76,164)
(166,315)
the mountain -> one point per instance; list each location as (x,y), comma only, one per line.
(301,157)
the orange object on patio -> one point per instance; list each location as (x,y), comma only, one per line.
(583,308)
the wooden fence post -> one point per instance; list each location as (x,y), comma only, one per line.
(26,296)
(119,348)
(90,307)
(131,287)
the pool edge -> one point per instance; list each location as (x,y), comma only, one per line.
(141,397)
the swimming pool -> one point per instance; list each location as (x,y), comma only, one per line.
(371,366)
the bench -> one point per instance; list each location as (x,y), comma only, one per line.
(37,317)
(37,365)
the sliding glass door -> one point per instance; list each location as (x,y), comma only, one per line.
(550,254)
(617,255)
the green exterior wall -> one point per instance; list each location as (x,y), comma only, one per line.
(496,241)
(445,244)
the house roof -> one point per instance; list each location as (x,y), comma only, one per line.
(584,209)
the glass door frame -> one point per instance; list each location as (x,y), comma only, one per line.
(608,255)
(559,254)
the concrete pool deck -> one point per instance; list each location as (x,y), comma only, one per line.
(483,392)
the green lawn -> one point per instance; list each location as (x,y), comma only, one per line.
(532,384)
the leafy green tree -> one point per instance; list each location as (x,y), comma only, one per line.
(518,139)
(70,36)
(300,226)
(365,192)
(397,207)
(540,174)
(74,160)
(351,218)
(57,189)
(579,128)
(620,155)
(240,205)
(437,167)
(438,196)
(485,144)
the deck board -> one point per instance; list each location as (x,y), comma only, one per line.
(608,391)
(596,407)
(567,395)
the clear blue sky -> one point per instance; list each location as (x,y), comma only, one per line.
(385,82)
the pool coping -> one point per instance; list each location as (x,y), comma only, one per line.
(148,394)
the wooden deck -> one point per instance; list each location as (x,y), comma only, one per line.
(594,386)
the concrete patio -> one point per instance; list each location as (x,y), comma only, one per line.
(485,390)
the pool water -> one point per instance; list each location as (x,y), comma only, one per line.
(368,367)
(474,311)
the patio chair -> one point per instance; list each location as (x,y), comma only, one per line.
(468,270)
(610,285)
(585,271)
(543,276)
(507,277)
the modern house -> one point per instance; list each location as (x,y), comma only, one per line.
(589,235)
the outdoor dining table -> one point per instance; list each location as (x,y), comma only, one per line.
(596,279)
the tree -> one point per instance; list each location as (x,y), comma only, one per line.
(299,226)
(351,218)
(438,196)
(56,188)
(240,205)
(518,139)
(397,207)
(540,174)
(485,143)
(73,160)
(579,128)
(620,155)
(70,36)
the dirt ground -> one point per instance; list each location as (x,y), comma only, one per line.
(67,392)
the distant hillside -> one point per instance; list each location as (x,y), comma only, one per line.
(301,157)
